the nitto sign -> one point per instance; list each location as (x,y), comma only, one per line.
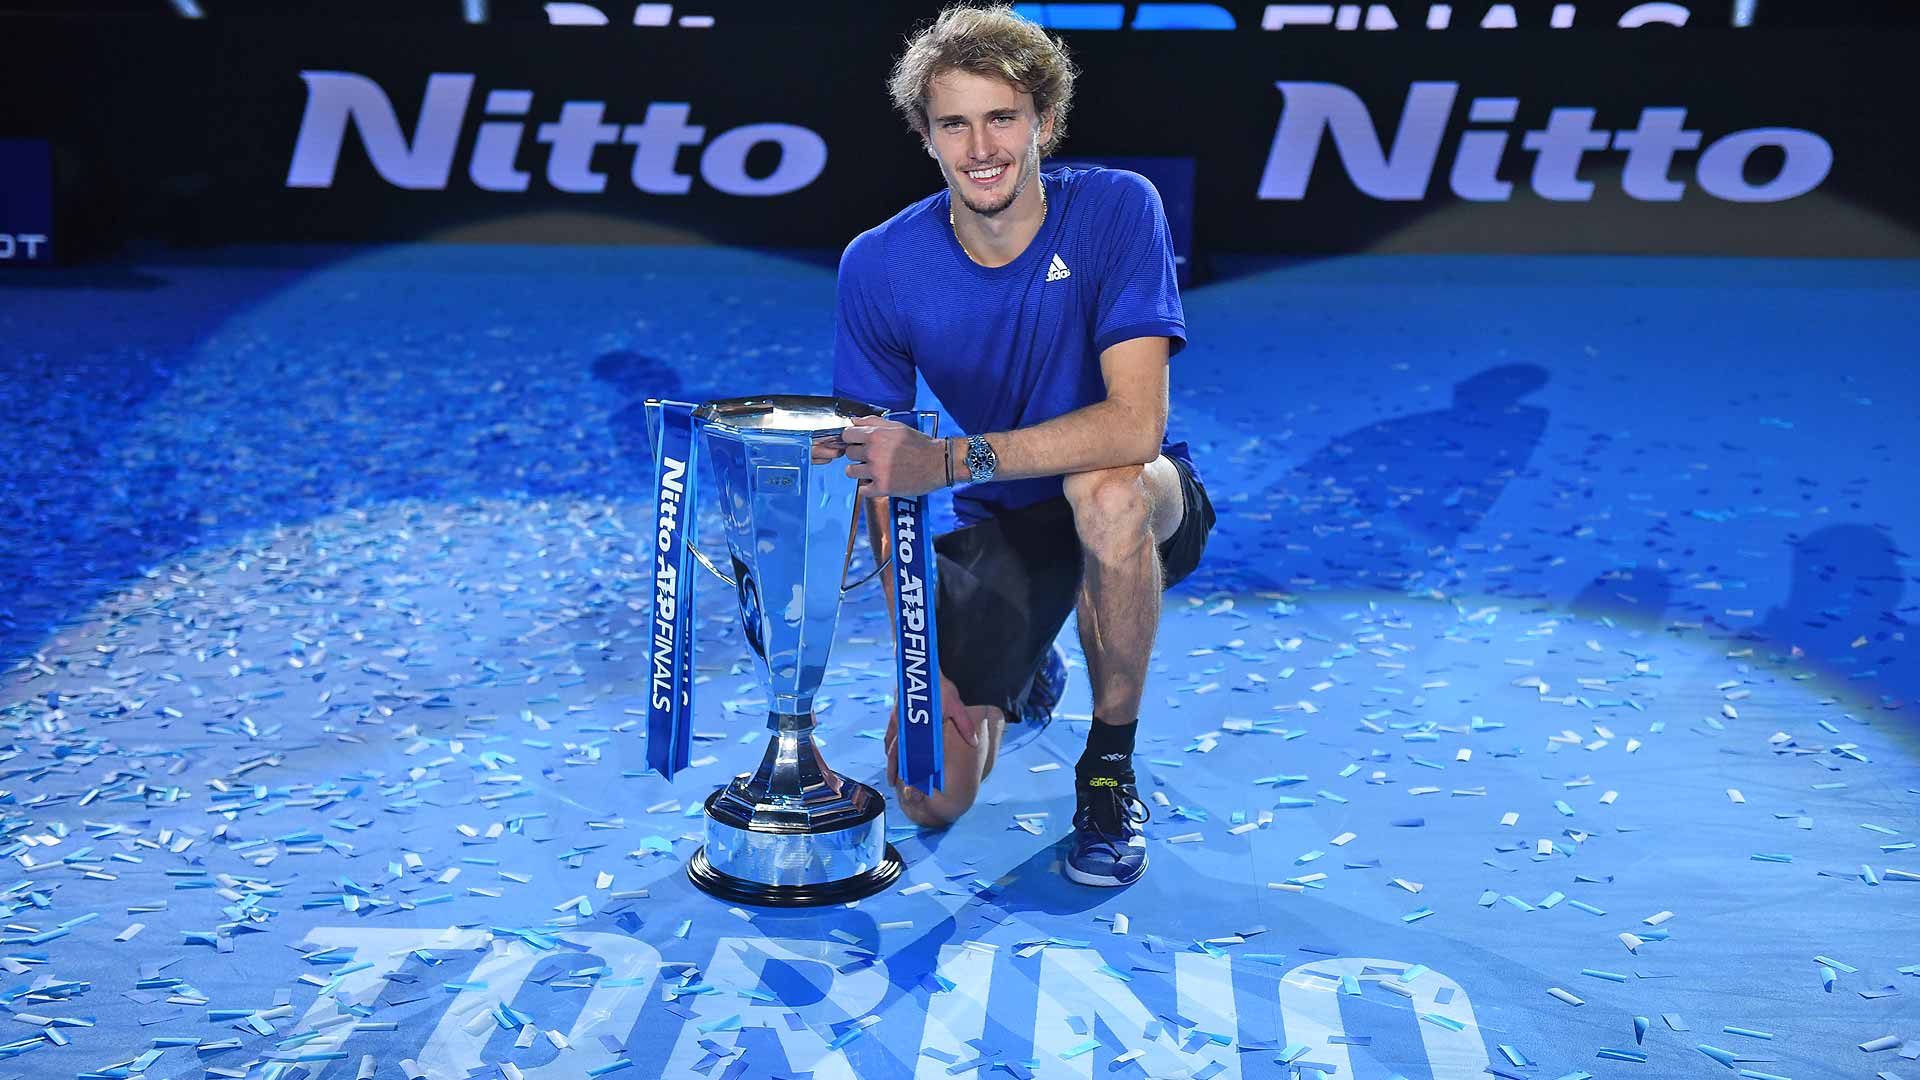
(1312,110)
(337,100)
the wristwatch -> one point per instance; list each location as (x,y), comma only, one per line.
(981,461)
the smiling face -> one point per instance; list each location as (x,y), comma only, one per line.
(986,136)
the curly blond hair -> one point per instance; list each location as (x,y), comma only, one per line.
(992,42)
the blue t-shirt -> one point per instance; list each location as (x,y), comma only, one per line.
(1010,346)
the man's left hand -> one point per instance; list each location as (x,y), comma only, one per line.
(891,458)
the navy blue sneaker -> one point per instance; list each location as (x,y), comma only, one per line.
(1035,711)
(1109,840)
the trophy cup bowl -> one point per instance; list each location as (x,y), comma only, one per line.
(792,832)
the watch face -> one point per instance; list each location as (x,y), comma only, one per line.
(980,460)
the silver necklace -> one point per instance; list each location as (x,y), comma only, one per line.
(955,226)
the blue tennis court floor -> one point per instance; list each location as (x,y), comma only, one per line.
(1543,706)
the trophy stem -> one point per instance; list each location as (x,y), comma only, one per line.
(784,722)
(793,788)
(794,832)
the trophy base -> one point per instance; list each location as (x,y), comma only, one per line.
(743,891)
(844,856)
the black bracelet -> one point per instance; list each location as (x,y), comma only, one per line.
(947,445)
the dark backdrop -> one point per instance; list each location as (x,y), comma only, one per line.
(184,130)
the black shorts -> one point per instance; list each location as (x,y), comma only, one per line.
(1006,586)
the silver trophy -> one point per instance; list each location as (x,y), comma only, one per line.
(792,832)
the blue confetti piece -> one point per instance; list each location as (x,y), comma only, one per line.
(1073,1052)
(1724,1057)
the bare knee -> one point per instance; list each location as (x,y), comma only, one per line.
(966,766)
(1112,511)
(935,811)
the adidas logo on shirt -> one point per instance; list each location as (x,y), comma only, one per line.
(1058,270)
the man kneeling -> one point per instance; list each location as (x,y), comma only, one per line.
(1042,310)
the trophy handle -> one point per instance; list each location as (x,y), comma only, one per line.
(711,569)
(852,534)
(652,406)
(853,530)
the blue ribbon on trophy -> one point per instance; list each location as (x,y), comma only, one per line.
(670,652)
(916,645)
